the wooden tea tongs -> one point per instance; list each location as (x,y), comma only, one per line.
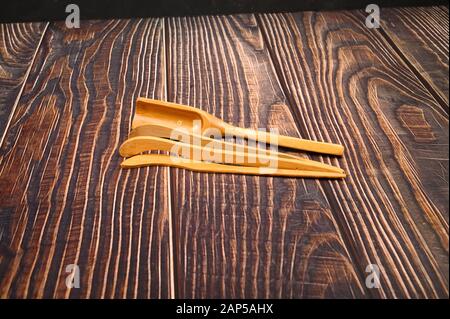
(164,126)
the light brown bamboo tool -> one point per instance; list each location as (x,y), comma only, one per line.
(170,127)
(139,144)
(174,115)
(200,166)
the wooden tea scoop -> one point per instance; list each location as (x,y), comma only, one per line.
(189,118)
(208,167)
(140,144)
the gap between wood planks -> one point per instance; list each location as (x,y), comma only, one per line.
(414,70)
(19,94)
(410,64)
(173,258)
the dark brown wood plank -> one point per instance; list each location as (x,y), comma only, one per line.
(65,198)
(421,34)
(18,44)
(345,83)
(245,236)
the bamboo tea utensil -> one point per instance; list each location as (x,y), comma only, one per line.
(139,144)
(208,167)
(173,128)
(174,115)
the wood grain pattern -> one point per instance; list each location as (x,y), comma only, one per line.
(421,34)
(345,83)
(18,44)
(65,197)
(241,236)
(158,232)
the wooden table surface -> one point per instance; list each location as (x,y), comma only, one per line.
(66,103)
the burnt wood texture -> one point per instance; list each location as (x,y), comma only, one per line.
(241,236)
(67,99)
(18,43)
(422,35)
(67,199)
(346,83)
